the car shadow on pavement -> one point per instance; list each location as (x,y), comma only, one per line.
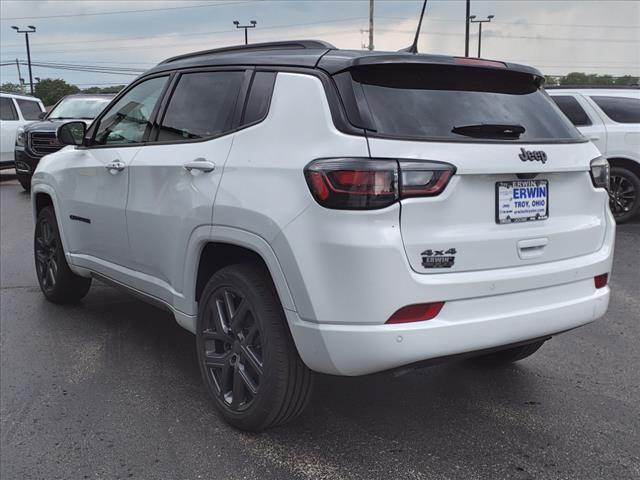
(442,410)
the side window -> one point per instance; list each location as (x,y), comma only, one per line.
(7,110)
(572,109)
(259,98)
(620,109)
(128,120)
(202,105)
(30,110)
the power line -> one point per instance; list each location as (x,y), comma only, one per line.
(520,24)
(190,34)
(209,5)
(199,44)
(80,69)
(96,67)
(492,34)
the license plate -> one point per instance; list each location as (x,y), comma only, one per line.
(522,201)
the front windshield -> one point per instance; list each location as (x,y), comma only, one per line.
(79,107)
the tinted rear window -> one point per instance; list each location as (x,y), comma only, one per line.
(572,109)
(620,109)
(7,110)
(259,97)
(428,102)
(202,106)
(30,110)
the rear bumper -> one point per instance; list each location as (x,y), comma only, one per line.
(462,326)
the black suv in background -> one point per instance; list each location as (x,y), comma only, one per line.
(37,139)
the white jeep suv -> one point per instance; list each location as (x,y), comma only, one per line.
(302,208)
(610,117)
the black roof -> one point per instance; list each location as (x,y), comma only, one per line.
(318,54)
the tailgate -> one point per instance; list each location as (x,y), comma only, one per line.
(459,230)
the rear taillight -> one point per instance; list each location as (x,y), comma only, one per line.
(423,179)
(416,313)
(601,280)
(600,173)
(368,184)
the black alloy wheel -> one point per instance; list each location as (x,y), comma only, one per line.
(624,188)
(58,283)
(232,348)
(247,357)
(46,250)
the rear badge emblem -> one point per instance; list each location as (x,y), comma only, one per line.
(532,156)
(438,258)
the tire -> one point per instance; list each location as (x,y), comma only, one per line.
(624,194)
(510,355)
(57,282)
(246,354)
(25,180)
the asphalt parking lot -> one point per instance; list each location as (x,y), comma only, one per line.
(111,389)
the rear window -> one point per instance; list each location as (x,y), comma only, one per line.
(572,109)
(202,105)
(431,101)
(620,109)
(30,110)
(7,110)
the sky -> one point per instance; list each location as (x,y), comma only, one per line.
(555,36)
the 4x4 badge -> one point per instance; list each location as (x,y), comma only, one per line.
(438,258)
(532,155)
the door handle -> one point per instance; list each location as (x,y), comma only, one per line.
(115,167)
(199,164)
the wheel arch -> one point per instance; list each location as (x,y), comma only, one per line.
(226,246)
(40,201)
(42,196)
(626,163)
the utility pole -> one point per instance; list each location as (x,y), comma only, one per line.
(246,28)
(20,79)
(466,29)
(370,24)
(480,22)
(32,29)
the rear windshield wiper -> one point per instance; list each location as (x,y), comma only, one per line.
(490,130)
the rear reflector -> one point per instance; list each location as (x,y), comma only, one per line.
(601,280)
(416,313)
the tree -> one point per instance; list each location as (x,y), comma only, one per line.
(50,90)
(584,79)
(627,80)
(112,89)
(9,87)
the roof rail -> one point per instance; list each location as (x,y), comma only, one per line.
(574,87)
(294,44)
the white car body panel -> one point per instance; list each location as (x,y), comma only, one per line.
(613,139)
(340,274)
(8,128)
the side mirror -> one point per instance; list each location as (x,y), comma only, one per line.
(41,115)
(71,133)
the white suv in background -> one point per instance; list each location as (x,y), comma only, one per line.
(15,111)
(302,208)
(610,117)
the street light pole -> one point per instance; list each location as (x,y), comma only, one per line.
(246,28)
(31,29)
(466,29)
(370,25)
(480,22)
